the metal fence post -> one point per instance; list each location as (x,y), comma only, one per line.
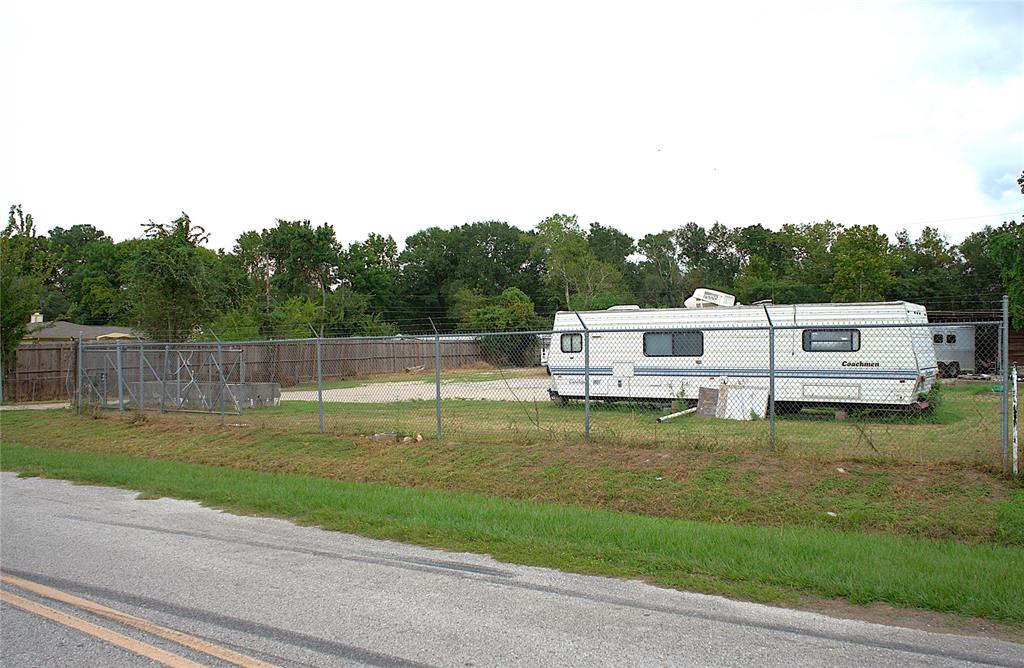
(1013,420)
(78,389)
(771,379)
(163,377)
(177,380)
(1005,345)
(586,384)
(209,383)
(178,402)
(220,369)
(437,382)
(120,379)
(142,378)
(586,377)
(437,378)
(241,379)
(320,383)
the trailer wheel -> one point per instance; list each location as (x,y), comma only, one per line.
(941,369)
(558,400)
(953,370)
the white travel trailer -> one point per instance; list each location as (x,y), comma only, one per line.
(829,357)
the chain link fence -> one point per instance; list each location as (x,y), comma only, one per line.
(874,387)
(137,376)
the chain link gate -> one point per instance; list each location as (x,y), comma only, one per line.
(192,377)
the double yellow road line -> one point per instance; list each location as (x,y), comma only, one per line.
(113,637)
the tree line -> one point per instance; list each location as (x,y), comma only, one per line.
(294,278)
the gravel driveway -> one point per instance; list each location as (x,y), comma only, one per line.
(514,389)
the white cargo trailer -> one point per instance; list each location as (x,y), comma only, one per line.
(954,349)
(826,355)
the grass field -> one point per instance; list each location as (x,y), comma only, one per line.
(772,564)
(963,428)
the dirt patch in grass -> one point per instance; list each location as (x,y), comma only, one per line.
(910,618)
(479,371)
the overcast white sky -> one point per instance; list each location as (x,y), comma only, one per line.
(392,116)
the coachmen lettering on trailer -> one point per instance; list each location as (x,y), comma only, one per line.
(824,355)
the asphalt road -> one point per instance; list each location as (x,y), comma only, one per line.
(289,595)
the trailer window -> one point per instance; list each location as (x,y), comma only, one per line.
(673,344)
(950,338)
(572,343)
(831,340)
(936,338)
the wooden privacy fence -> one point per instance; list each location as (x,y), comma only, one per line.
(47,371)
(1016,347)
(287,363)
(294,363)
(42,372)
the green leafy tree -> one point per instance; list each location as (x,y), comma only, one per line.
(483,257)
(571,267)
(610,245)
(617,249)
(1008,250)
(229,283)
(23,266)
(371,269)
(349,314)
(926,269)
(464,302)
(294,318)
(775,248)
(708,257)
(98,301)
(510,311)
(759,280)
(768,260)
(661,280)
(426,272)
(560,243)
(490,256)
(863,265)
(756,281)
(169,281)
(979,278)
(305,258)
(814,263)
(241,323)
(85,261)
(254,257)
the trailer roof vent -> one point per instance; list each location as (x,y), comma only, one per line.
(706,297)
(625,307)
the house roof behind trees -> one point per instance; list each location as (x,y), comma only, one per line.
(62,330)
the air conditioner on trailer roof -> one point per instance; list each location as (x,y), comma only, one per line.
(706,297)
